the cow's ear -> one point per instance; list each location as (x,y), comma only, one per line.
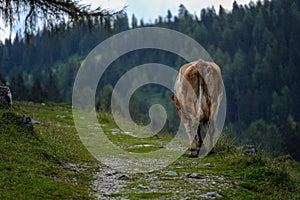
(172,97)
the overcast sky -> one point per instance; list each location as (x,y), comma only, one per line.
(149,10)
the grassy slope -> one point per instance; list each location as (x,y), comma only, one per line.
(39,164)
(51,163)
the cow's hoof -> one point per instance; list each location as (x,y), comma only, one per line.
(194,154)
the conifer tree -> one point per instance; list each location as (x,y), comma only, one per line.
(37,93)
(2,80)
(48,12)
(51,89)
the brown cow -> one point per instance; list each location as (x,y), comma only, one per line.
(198,92)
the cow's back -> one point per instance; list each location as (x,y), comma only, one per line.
(189,79)
(211,73)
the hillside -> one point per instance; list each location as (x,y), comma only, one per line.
(257,47)
(40,164)
(51,163)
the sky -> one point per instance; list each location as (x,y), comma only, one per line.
(149,10)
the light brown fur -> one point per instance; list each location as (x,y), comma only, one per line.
(198,81)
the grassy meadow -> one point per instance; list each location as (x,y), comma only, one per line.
(50,162)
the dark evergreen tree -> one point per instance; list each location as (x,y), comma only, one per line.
(37,93)
(51,89)
(169,16)
(18,88)
(134,21)
(142,24)
(50,12)
(2,80)
(182,12)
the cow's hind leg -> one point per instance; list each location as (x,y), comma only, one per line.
(211,139)
(212,128)
(196,144)
(194,148)
(200,141)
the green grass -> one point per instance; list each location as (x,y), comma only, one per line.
(246,177)
(51,163)
(34,164)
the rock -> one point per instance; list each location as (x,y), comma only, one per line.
(142,187)
(144,145)
(5,97)
(35,121)
(204,164)
(27,121)
(106,182)
(185,174)
(171,173)
(124,177)
(238,183)
(194,175)
(60,116)
(210,195)
(249,150)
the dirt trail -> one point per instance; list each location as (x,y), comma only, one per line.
(110,184)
